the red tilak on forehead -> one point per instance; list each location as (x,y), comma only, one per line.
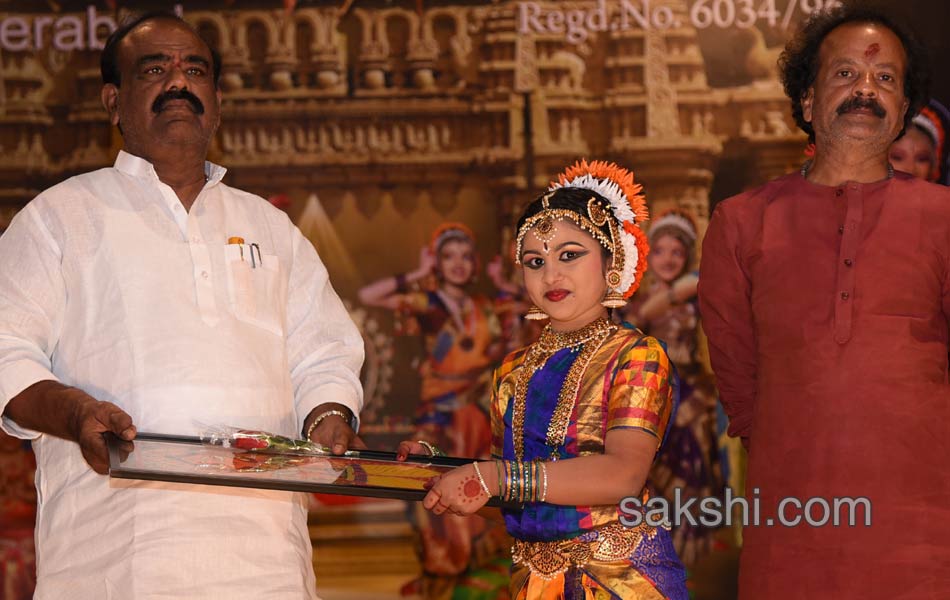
(872,50)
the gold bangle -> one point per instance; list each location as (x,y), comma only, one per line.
(481,480)
(323,416)
(504,484)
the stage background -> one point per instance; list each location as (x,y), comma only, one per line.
(371,122)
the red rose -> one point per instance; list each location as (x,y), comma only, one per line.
(249,443)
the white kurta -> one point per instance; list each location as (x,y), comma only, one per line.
(109,285)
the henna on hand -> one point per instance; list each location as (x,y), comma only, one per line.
(470,490)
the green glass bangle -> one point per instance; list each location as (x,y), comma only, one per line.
(498,472)
(515,484)
(529,482)
(506,465)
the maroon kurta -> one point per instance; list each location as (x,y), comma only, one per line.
(826,310)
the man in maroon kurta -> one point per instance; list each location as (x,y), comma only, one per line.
(825,295)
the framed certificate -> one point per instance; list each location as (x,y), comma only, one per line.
(371,473)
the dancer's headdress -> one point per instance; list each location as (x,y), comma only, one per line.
(450,231)
(677,220)
(615,205)
(934,120)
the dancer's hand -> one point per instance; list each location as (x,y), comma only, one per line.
(458,492)
(684,288)
(408,447)
(427,262)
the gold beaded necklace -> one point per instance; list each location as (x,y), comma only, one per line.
(591,337)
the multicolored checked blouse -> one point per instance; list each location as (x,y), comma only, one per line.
(627,383)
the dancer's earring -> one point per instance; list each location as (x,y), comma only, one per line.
(613,298)
(536,314)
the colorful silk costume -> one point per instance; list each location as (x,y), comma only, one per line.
(627,383)
(451,414)
(455,371)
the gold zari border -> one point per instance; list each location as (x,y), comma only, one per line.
(549,559)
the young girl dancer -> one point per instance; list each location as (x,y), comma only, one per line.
(578,416)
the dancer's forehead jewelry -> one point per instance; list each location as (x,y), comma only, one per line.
(546,227)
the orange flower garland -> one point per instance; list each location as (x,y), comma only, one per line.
(643,250)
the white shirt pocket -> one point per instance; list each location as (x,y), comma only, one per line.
(254,287)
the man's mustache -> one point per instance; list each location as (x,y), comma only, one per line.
(166,97)
(860,102)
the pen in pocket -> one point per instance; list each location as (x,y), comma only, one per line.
(252,248)
(239,241)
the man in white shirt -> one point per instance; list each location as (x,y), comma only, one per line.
(126,304)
